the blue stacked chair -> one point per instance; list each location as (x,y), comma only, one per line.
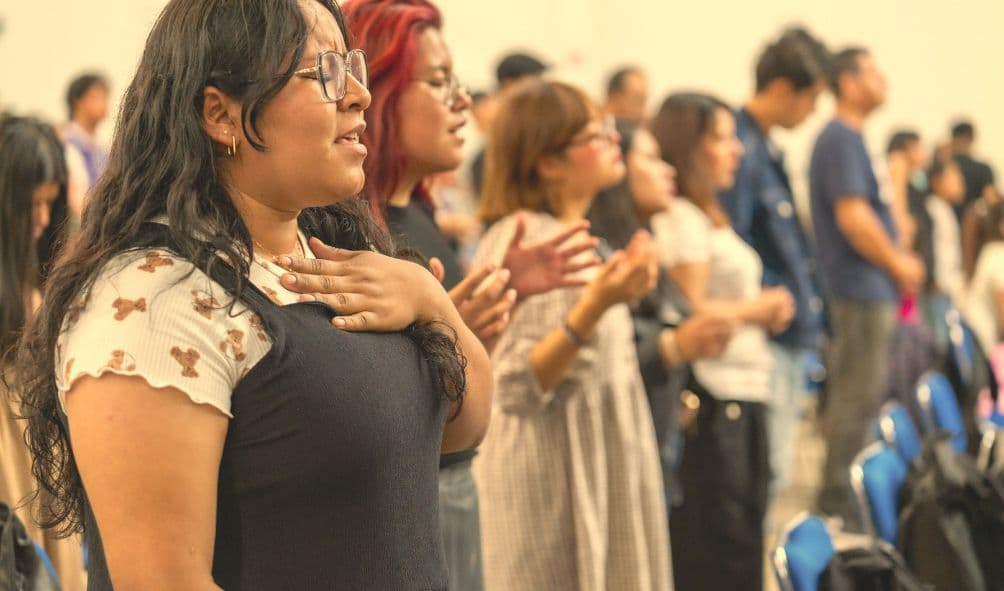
(895,426)
(877,475)
(962,352)
(803,553)
(990,458)
(939,409)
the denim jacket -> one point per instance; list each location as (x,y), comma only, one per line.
(762,209)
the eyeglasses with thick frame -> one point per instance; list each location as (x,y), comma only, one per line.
(333,69)
(455,90)
(607,133)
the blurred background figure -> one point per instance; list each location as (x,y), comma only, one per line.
(87,106)
(627,94)
(32,178)
(863,268)
(666,341)
(978,175)
(724,471)
(790,76)
(907,183)
(984,305)
(511,69)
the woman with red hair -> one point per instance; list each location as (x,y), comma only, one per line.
(413,131)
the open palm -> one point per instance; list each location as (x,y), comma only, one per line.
(539,267)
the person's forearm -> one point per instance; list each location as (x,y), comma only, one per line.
(753,311)
(469,427)
(552,357)
(868,238)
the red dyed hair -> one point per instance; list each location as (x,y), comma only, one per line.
(388,31)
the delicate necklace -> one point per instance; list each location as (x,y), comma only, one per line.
(274,257)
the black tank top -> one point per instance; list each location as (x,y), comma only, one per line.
(328,478)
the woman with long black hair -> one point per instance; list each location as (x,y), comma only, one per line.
(32,179)
(202,425)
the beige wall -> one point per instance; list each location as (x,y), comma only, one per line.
(943,59)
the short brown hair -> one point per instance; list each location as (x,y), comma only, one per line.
(538,119)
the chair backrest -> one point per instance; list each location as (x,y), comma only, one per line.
(997,418)
(805,549)
(895,427)
(962,352)
(939,408)
(877,475)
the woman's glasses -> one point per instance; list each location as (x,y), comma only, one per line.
(333,70)
(606,134)
(449,87)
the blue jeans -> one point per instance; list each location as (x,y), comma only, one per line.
(460,527)
(787,389)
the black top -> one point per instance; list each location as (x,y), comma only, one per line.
(328,475)
(977,175)
(414,226)
(923,241)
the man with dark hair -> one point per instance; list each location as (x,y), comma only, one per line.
(790,75)
(512,68)
(979,177)
(862,268)
(515,67)
(627,94)
(905,141)
(87,107)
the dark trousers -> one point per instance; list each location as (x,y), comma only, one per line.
(717,531)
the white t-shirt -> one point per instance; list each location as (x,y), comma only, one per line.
(685,235)
(151,314)
(988,279)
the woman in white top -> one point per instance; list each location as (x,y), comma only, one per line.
(724,472)
(984,309)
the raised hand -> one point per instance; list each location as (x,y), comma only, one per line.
(539,267)
(484,302)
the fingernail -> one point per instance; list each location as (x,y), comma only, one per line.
(289,279)
(339,322)
(285,261)
(511,294)
(505,274)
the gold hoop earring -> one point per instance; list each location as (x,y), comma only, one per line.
(232,148)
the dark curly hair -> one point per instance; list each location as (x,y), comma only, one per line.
(162,163)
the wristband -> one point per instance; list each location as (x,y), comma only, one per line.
(573,338)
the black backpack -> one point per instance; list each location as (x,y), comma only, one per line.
(951,521)
(874,568)
(21,569)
